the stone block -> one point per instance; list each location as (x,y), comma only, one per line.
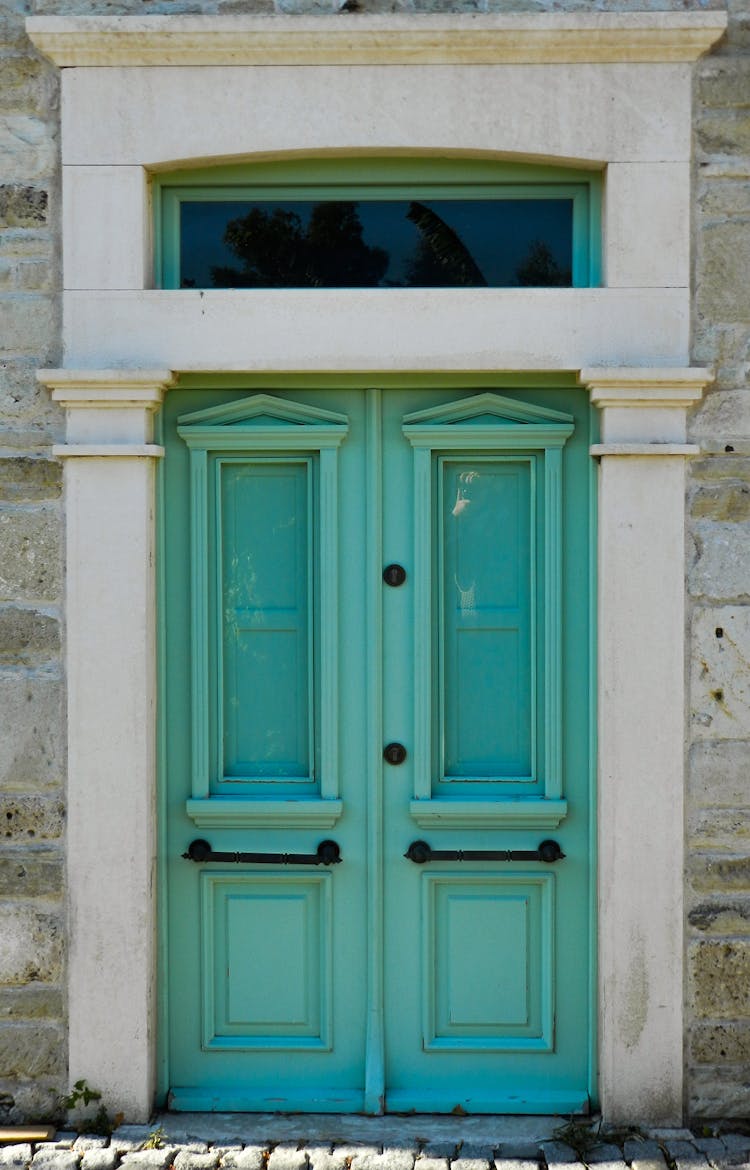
(720,916)
(22,206)
(440,1149)
(31,1003)
(558,1153)
(728,502)
(29,324)
(89,1141)
(723,256)
(105,1159)
(29,86)
(31,1050)
(32,944)
(709,873)
(15,1157)
(719,568)
(423,1163)
(287,1156)
(720,979)
(723,134)
(722,198)
(718,1092)
(149,1159)
(27,147)
(30,554)
(24,479)
(720,829)
(32,751)
(24,875)
(398,1158)
(720,1043)
(726,347)
(55,1160)
(718,773)
(723,83)
(720,672)
(193,1160)
(251,1158)
(25,818)
(643,1154)
(27,636)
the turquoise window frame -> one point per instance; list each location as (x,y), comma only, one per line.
(373,179)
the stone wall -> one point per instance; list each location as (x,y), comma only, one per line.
(32,748)
(718,806)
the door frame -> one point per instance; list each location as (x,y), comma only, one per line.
(627,343)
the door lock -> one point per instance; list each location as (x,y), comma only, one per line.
(394,574)
(394,753)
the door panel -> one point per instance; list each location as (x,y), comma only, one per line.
(284,991)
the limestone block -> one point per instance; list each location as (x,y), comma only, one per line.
(719,774)
(720,1043)
(25,875)
(32,944)
(99,1159)
(22,206)
(27,636)
(728,502)
(721,197)
(723,83)
(22,817)
(717,1092)
(29,86)
(709,873)
(28,324)
(55,1159)
(720,829)
(251,1158)
(24,479)
(725,346)
(149,1159)
(723,257)
(15,1156)
(719,570)
(723,416)
(32,753)
(28,149)
(30,557)
(725,133)
(193,1160)
(32,1002)
(286,1156)
(720,916)
(720,672)
(32,1050)
(719,973)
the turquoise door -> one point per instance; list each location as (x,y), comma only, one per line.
(434,725)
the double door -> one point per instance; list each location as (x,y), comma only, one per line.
(377,739)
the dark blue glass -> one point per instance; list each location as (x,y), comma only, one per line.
(448,243)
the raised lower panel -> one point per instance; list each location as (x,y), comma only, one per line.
(266,962)
(487,982)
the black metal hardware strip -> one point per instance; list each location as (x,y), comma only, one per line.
(327,853)
(420,852)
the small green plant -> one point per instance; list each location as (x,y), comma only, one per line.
(78,1100)
(155,1140)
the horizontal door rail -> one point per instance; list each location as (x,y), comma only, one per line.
(420,852)
(327,853)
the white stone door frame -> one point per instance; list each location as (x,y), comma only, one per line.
(126,342)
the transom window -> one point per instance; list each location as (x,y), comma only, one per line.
(378,223)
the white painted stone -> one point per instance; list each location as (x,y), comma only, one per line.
(647,225)
(378,329)
(720,673)
(111,725)
(590,113)
(108,205)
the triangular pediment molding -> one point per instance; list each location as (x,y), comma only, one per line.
(262,410)
(263,421)
(487,420)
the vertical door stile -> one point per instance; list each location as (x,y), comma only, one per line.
(553,581)
(375,1051)
(329,625)
(422,623)
(199,728)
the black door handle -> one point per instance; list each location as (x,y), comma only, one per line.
(420,852)
(327,853)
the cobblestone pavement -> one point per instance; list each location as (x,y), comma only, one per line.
(272,1142)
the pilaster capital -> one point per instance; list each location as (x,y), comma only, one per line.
(643,406)
(109,412)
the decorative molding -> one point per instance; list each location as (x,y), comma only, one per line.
(647,449)
(382,39)
(224,812)
(658,387)
(108,450)
(102,389)
(512,813)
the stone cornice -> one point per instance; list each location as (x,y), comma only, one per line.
(663,387)
(107,389)
(392,39)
